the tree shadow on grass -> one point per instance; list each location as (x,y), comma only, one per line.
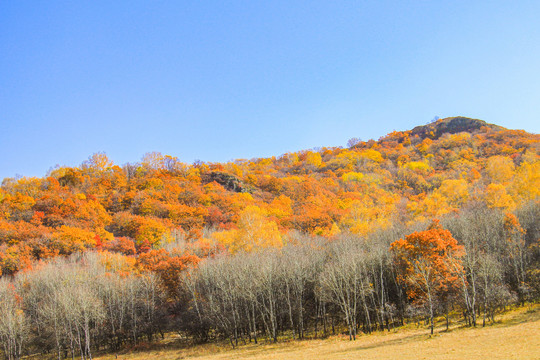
(530,315)
(389,342)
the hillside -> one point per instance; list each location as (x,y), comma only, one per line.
(438,221)
(406,176)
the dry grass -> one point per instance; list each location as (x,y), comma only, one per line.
(515,336)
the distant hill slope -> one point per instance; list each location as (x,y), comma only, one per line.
(406,176)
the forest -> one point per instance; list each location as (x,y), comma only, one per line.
(438,220)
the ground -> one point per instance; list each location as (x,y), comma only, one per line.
(515,335)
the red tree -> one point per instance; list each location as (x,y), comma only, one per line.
(428,264)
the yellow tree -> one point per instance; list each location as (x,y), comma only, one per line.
(314,159)
(369,211)
(526,184)
(500,168)
(456,192)
(497,197)
(98,161)
(255,231)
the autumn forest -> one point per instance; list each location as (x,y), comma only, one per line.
(420,224)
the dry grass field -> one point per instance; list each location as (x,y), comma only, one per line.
(516,335)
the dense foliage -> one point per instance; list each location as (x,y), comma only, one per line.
(103,256)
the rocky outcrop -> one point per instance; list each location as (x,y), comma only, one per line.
(228,181)
(451,125)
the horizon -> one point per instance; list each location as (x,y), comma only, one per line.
(219,82)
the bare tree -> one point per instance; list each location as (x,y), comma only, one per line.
(14,326)
(479,229)
(345,283)
(300,266)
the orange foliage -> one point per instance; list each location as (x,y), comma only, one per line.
(123,245)
(428,261)
(167,266)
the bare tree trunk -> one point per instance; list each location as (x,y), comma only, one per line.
(254,322)
(430,312)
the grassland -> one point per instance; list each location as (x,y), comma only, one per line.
(516,335)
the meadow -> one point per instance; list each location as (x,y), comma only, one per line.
(515,335)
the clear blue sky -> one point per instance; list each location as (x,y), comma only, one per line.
(240,79)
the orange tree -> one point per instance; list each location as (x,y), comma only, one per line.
(168,266)
(428,264)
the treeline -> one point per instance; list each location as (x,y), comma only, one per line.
(312,286)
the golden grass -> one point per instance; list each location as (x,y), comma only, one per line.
(516,335)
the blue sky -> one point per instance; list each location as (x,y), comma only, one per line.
(222,80)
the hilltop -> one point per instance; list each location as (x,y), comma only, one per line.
(452,125)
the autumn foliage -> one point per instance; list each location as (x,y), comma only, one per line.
(429,264)
(406,176)
(102,256)
(429,259)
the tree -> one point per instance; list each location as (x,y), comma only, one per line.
(167,266)
(494,291)
(352,142)
(345,282)
(14,327)
(500,169)
(517,252)
(255,231)
(429,264)
(299,267)
(480,230)
(97,162)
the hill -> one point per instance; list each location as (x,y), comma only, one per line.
(437,220)
(406,176)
